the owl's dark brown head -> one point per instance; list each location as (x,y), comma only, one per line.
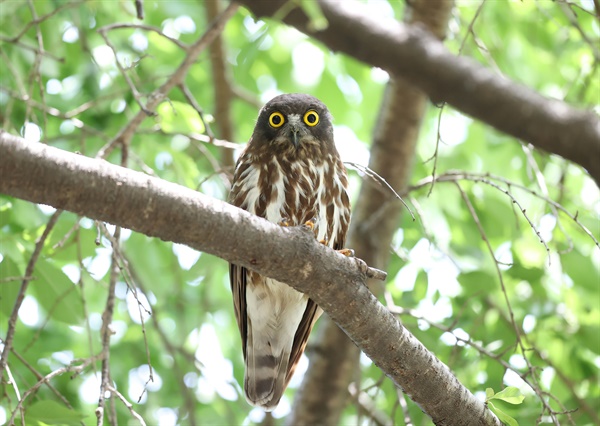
(294,122)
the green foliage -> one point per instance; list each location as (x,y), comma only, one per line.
(52,413)
(441,271)
(511,395)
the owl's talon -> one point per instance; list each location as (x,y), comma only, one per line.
(311,224)
(346,252)
(284,221)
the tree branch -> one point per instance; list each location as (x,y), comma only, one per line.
(97,189)
(416,55)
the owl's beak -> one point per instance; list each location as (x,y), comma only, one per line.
(294,137)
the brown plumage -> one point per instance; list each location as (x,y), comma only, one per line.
(290,172)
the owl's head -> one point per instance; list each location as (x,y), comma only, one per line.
(294,122)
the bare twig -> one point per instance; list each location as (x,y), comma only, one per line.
(35,69)
(470,27)
(17,278)
(404,407)
(127,276)
(39,20)
(380,180)
(67,369)
(173,351)
(434,156)
(12,321)
(127,404)
(139,9)
(566,8)
(33,49)
(487,178)
(106,331)
(367,406)
(216,142)
(156,97)
(536,388)
(12,381)
(192,100)
(144,27)
(136,94)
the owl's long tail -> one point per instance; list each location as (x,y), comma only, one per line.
(274,312)
(266,370)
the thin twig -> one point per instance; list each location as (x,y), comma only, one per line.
(33,49)
(39,376)
(434,157)
(106,332)
(487,178)
(127,404)
(39,20)
(380,180)
(479,348)
(12,321)
(12,381)
(139,9)
(368,407)
(145,27)
(156,97)
(136,94)
(173,351)
(404,407)
(124,268)
(475,217)
(16,278)
(69,368)
(192,100)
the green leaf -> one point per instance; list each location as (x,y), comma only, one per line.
(51,412)
(9,289)
(489,393)
(177,117)
(504,418)
(581,269)
(511,394)
(57,294)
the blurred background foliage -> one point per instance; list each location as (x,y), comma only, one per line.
(74,97)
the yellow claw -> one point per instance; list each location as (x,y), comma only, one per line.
(284,222)
(346,252)
(311,223)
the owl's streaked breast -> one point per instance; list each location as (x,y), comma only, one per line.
(297,191)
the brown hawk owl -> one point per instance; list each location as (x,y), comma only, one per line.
(290,174)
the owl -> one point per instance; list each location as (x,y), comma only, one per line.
(291,174)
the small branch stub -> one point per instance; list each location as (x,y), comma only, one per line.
(374,273)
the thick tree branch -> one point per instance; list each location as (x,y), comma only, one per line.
(416,55)
(100,190)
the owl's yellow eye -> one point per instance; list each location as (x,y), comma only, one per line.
(311,118)
(276,119)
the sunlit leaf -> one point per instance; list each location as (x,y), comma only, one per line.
(509,394)
(56,293)
(178,117)
(504,418)
(52,413)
